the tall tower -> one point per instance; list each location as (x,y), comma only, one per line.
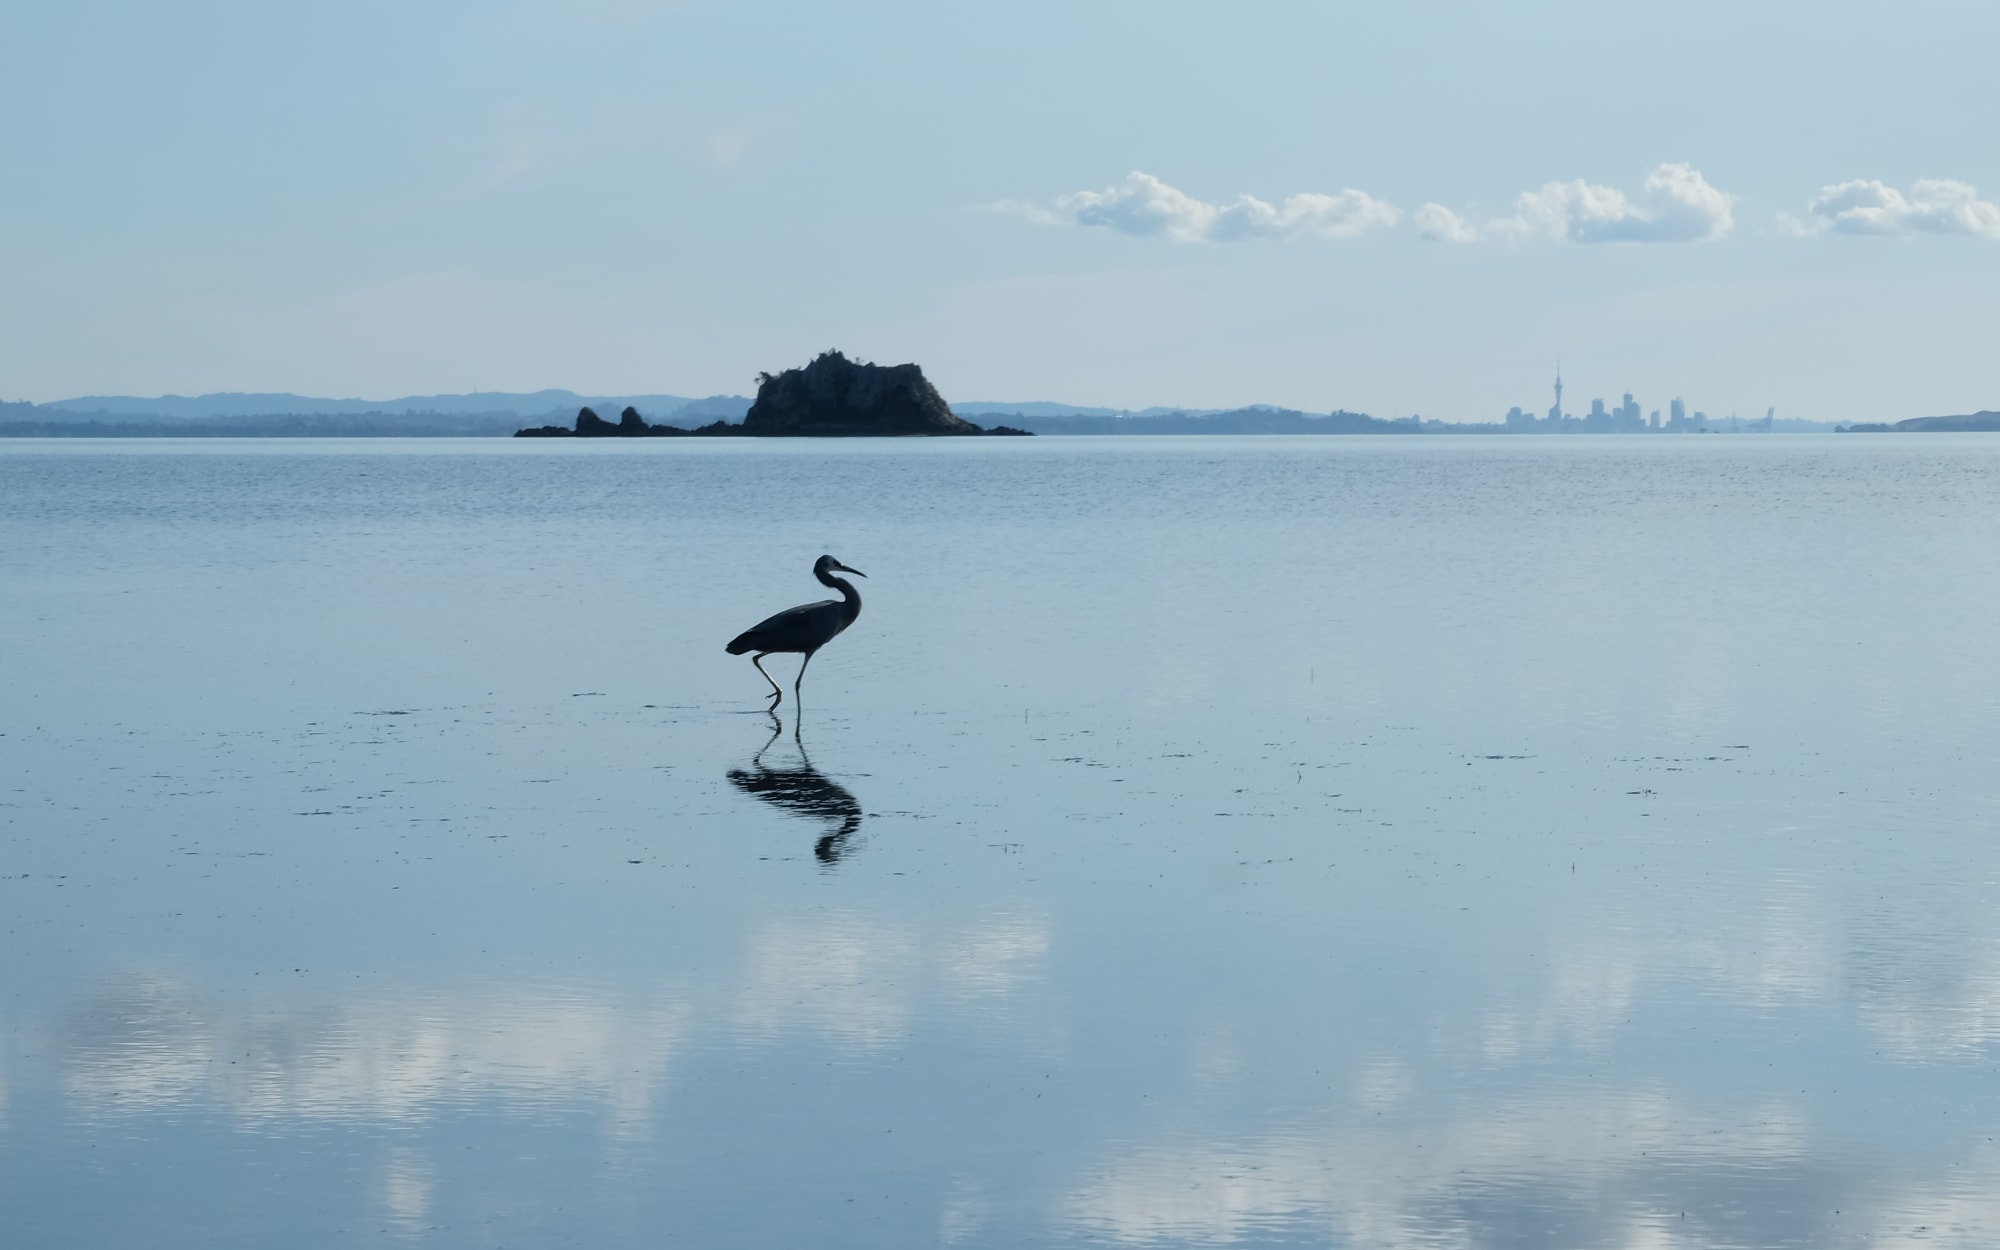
(1556,413)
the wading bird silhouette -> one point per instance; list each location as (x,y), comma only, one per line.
(805,628)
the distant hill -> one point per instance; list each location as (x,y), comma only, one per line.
(703,411)
(237,404)
(1032,408)
(1257,420)
(282,425)
(1046,408)
(496,413)
(1967,421)
(1971,421)
(285,415)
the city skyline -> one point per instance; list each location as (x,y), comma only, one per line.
(1626,418)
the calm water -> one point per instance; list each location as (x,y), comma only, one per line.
(1255,842)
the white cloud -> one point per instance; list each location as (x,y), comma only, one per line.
(1141,204)
(1931,206)
(1436,222)
(1338,216)
(1676,205)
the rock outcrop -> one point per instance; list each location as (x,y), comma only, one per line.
(834,397)
(630,425)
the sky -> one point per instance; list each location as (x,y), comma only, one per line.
(1394,208)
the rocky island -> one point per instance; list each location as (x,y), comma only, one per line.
(833,397)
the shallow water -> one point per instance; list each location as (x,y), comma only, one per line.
(1351,842)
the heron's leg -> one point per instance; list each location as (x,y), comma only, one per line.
(777,727)
(802,674)
(777,693)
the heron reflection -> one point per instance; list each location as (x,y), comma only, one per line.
(803,790)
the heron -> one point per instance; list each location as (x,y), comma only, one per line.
(805,628)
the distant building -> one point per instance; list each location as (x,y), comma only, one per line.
(1519,422)
(1627,416)
(1624,419)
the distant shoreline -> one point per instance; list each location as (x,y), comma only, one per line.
(98,431)
(28,421)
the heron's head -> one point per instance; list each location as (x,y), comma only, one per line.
(827,564)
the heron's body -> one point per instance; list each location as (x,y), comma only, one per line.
(804,629)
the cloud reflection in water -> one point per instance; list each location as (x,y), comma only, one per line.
(1399,1159)
(145,1044)
(408,1188)
(140,1044)
(1631,1171)
(1587,1161)
(1943,1007)
(860,982)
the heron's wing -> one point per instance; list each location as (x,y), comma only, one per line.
(802,628)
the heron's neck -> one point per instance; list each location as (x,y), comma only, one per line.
(850,598)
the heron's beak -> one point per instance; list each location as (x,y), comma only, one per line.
(857,572)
